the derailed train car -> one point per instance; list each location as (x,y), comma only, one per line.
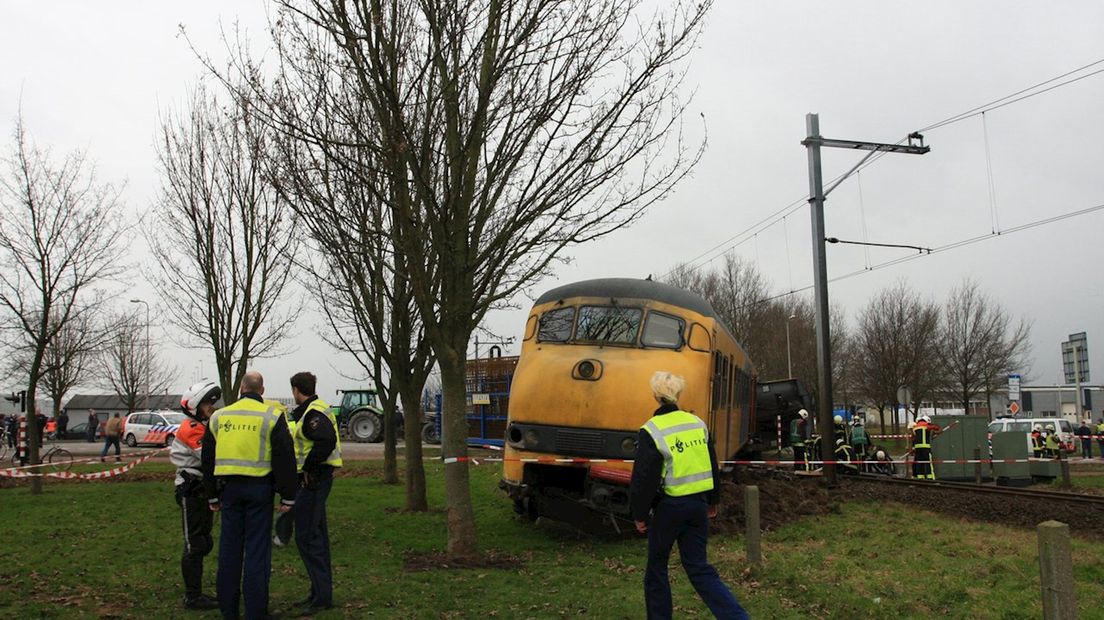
(581,391)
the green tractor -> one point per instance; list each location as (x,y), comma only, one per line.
(360,417)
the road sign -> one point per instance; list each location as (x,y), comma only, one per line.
(1013,387)
(1014,407)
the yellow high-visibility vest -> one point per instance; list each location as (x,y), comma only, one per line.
(243,438)
(303,444)
(683,440)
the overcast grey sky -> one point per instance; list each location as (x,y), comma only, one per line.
(96,75)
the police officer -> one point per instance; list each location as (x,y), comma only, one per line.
(198,403)
(921,446)
(317,453)
(674,494)
(798,432)
(248,450)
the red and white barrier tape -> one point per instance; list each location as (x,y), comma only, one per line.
(584,461)
(21,472)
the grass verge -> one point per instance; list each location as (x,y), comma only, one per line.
(112,550)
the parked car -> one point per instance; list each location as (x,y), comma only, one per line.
(151,427)
(81,430)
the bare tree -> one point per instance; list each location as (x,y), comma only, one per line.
(344,197)
(896,341)
(522,128)
(60,234)
(67,360)
(127,363)
(223,238)
(980,344)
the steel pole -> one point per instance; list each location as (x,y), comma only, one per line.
(820,293)
(789,361)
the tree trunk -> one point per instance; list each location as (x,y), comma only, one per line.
(415,469)
(390,468)
(32,426)
(460,514)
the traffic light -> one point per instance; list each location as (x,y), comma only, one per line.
(18,397)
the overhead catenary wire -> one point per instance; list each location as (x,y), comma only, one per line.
(943,248)
(778,215)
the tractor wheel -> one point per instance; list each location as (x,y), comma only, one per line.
(430,434)
(365,427)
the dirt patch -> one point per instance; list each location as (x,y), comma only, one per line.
(783,498)
(1027,512)
(434,560)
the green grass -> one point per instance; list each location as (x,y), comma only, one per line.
(112,550)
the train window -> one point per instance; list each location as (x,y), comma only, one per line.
(608,324)
(661,330)
(555,325)
(530,328)
(699,338)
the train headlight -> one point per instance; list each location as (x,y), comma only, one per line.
(531,438)
(628,445)
(513,435)
(586,369)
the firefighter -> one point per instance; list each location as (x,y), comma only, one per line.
(839,430)
(880,463)
(673,494)
(197,403)
(1037,441)
(317,454)
(845,458)
(859,440)
(921,449)
(1051,446)
(248,450)
(799,430)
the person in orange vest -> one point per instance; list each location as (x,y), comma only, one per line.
(1037,441)
(921,449)
(186,453)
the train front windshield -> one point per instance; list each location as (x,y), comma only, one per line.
(606,325)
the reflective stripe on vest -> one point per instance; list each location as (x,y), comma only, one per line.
(243,433)
(682,439)
(303,444)
(921,437)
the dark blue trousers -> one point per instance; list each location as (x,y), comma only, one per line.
(245,541)
(312,537)
(685,520)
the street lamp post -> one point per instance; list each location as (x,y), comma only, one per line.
(140,301)
(789,361)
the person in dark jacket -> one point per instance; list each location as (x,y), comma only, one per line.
(673,494)
(247,448)
(318,453)
(62,425)
(1085,433)
(93,426)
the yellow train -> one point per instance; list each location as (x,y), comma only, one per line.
(581,391)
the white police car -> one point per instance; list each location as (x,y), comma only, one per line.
(151,427)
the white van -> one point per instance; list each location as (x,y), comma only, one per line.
(151,427)
(1061,425)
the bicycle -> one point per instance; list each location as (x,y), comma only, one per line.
(57,458)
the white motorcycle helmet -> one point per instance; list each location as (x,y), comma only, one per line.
(924,418)
(205,391)
(804,414)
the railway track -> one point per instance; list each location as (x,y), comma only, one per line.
(970,487)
